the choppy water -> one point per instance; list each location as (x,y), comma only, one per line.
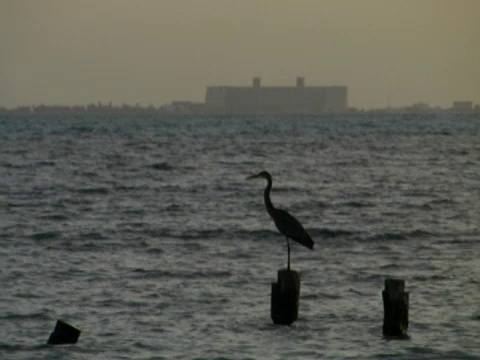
(145,234)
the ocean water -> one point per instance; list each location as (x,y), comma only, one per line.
(144,233)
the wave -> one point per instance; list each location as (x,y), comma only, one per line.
(200,234)
(21,347)
(54,217)
(219,233)
(442,201)
(8,165)
(318,234)
(179,274)
(41,163)
(30,316)
(329,233)
(357,204)
(92,235)
(434,277)
(257,234)
(414,234)
(162,166)
(426,352)
(93,190)
(46,235)
(45,163)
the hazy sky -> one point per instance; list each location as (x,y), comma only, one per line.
(156,51)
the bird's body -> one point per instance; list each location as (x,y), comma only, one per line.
(285,223)
(291,228)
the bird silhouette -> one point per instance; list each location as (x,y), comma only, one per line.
(285,223)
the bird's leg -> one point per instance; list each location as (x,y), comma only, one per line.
(288,250)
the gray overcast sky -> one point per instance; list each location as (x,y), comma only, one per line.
(156,51)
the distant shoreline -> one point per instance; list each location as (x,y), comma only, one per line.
(136,110)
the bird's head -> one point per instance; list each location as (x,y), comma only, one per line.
(263,174)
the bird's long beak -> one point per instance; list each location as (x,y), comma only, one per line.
(252,177)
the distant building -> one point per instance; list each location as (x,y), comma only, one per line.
(462,106)
(278,100)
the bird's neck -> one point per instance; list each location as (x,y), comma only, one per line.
(266,196)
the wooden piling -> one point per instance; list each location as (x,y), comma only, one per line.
(395,305)
(64,334)
(285,297)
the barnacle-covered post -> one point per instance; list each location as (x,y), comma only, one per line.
(395,305)
(64,334)
(285,297)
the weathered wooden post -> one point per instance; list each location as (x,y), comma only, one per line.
(395,306)
(285,297)
(64,334)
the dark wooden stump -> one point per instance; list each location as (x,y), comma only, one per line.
(285,297)
(395,306)
(64,334)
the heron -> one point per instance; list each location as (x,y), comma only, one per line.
(285,223)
